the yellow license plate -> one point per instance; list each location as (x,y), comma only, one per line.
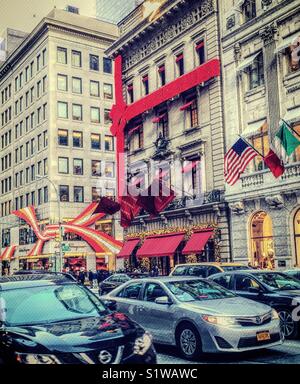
(262,336)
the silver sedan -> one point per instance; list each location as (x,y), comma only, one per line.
(196,315)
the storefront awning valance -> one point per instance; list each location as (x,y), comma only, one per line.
(128,248)
(247,62)
(159,246)
(197,242)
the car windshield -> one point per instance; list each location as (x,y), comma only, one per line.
(278,281)
(48,304)
(228,268)
(197,290)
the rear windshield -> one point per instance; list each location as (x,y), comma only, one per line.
(234,267)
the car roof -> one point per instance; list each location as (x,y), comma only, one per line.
(33,280)
(166,279)
(245,272)
(216,264)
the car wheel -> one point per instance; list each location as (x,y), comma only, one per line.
(189,342)
(288,326)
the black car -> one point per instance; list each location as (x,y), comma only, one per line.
(116,280)
(276,289)
(295,272)
(50,319)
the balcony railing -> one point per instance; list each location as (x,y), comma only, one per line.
(291,171)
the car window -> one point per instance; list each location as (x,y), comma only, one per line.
(179,271)
(244,282)
(234,267)
(112,279)
(153,291)
(131,291)
(223,280)
(198,270)
(123,279)
(278,281)
(213,271)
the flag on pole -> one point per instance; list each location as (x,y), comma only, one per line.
(285,141)
(236,160)
(274,163)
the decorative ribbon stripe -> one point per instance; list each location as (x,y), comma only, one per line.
(28,215)
(8,253)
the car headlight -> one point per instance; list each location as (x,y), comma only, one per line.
(275,315)
(142,344)
(219,320)
(25,358)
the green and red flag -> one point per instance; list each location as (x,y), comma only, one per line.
(285,141)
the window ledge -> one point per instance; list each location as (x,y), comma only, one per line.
(292,75)
(260,89)
(191,130)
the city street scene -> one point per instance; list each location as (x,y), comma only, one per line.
(150,182)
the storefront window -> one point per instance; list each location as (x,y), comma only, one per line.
(262,243)
(297,236)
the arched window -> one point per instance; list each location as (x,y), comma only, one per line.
(297,236)
(262,245)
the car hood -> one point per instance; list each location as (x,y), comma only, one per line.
(234,306)
(81,335)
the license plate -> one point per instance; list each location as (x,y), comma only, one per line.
(262,336)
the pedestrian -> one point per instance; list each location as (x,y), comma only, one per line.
(91,278)
(82,276)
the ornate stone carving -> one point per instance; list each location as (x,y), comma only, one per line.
(237,208)
(275,202)
(161,148)
(237,51)
(265,3)
(267,34)
(167,34)
(230,22)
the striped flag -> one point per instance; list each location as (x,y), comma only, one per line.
(236,160)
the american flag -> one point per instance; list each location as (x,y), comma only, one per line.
(236,160)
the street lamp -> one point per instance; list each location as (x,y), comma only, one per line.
(38,177)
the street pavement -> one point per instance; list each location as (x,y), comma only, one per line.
(287,353)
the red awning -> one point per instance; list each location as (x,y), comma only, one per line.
(158,118)
(179,57)
(158,246)
(128,248)
(133,130)
(197,242)
(187,105)
(200,45)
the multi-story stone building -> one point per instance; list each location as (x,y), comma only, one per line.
(261,85)
(56,91)
(172,87)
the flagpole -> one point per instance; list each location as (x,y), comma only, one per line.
(251,146)
(290,127)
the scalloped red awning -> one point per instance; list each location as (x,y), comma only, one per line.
(158,118)
(128,248)
(187,105)
(197,242)
(159,246)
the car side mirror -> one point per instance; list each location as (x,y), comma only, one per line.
(256,290)
(111,304)
(164,300)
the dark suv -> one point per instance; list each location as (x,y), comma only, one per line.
(50,319)
(276,289)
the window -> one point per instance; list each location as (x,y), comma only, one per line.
(78,167)
(45,138)
(107,119)
(162,74)
(44,84)
(95,115)
(46,198)
(32,94)
(145,81)
(77,112)
(33,198)
(62,82)
(163,124)
(223,280)
(200,49)
(249,10)
(244,282)
(32,172)
(38,63)
(130,93)
(32,146)
(94,88)
(44,57)
(153,291)
(296,155)
(95,141)
(256,72)
(107,65)
(78,195)
(38,89)
(31,69)
(44,111)
(40,200)
(96,168)
(94,63)
(76,59)
(136,137)
(76,85)
(109,143)
(108,91)
(62,110)
(96,194)
(132,291)
(63,165)
(77,139)
(180,64)
(63,137)
(61,55)
(45,161)
(64,193)
(260,142)
(191,111)
(109,170)
(32,120)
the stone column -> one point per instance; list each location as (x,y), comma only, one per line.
(268,36)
